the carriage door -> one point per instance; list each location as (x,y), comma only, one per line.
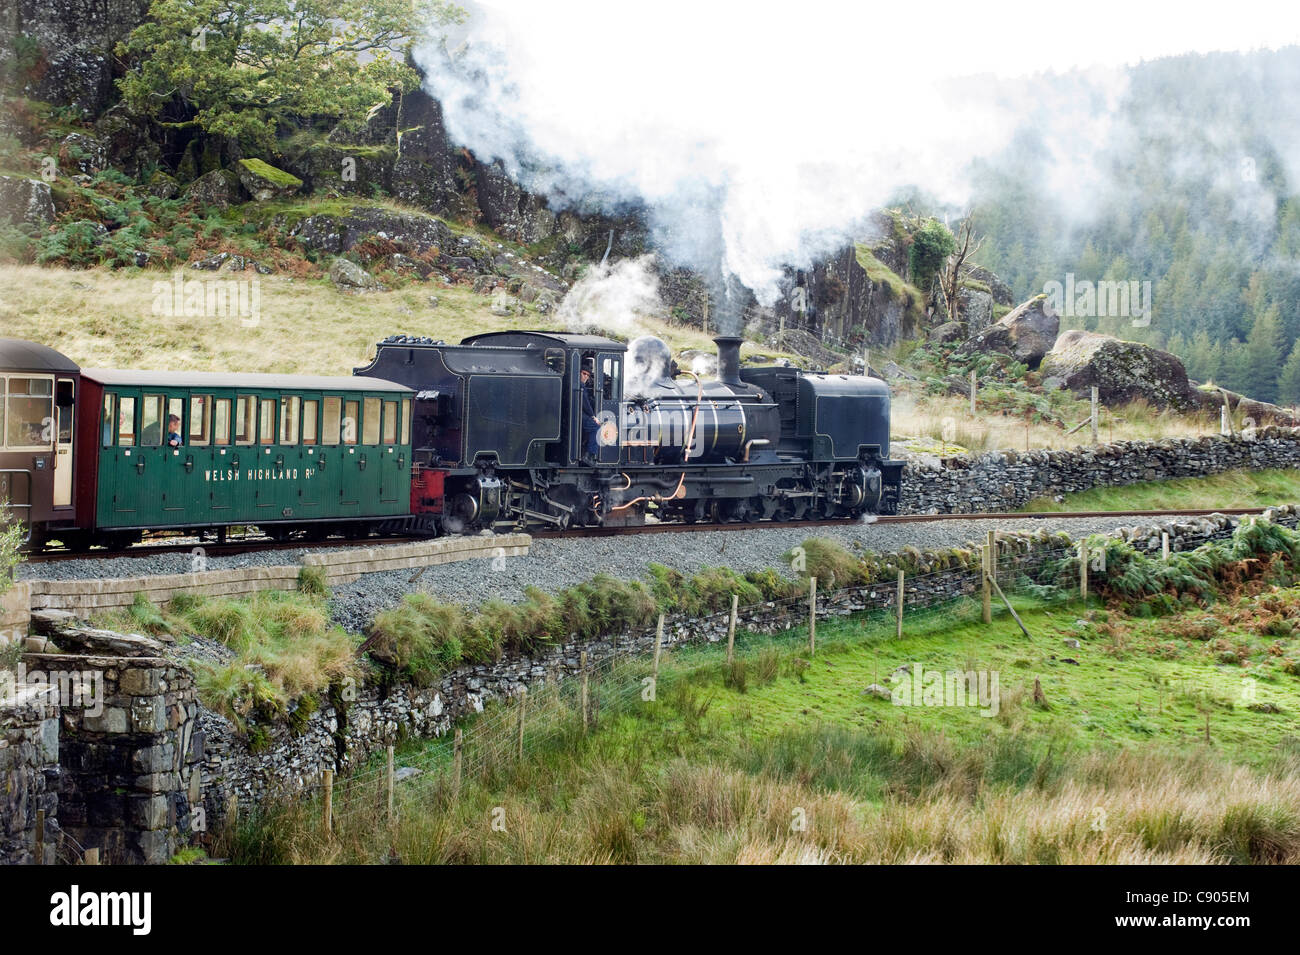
(64,405)
(609,395)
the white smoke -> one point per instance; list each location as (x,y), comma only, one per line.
(613,298)
(760,135)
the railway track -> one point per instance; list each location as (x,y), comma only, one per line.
(260,544)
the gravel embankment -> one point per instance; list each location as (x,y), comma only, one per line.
(555,564)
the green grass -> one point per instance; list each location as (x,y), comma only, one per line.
(1229,489)
(780,757)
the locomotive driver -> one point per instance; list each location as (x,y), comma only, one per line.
(590,423)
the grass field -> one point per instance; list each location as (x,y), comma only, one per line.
(1229,489)
(784,758)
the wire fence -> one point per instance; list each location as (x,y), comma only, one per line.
(559,713)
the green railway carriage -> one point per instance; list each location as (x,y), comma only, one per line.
(199,450)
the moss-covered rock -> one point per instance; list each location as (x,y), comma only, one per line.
(263,181)
(1122,371)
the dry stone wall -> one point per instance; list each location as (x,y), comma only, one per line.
(1008,480)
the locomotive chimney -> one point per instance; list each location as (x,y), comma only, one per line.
(728,359)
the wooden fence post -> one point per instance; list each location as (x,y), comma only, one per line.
(91,858)
(391,779)
(731,630)
(582,664)
(812,615)
(900,605)
(986,562)
(1083,570)
(457,762)
(973,387)
(523,708)
(40,837)
(232,808)
(1164,546)
(1095,419)
(659,643)
(327,782)
(991,543)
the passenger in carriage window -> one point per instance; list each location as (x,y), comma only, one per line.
(174,431)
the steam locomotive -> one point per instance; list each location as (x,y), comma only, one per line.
(430,438)
(498,434)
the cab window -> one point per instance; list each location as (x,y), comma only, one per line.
(200,431)
(29,415)
(245,419)
(290,409)
(370,434)
(332,427)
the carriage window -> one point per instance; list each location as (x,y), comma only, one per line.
(390,422)
(126,423)
(310,413)
(201,419)
(332,425)
(370,429)
(175,409)
(110,400)
(221,421)
(151,421)
(63,409)
(351,412)
(245,419)
(268,421)
(30,415)
(406,421)
(290,406)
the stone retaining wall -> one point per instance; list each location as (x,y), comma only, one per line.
(340,566)
(29,774)
(1008,480)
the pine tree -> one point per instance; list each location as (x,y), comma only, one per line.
(1288,380)
(1264,351)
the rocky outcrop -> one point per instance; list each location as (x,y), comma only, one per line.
(263,181)
(68,47)
(975,306)
(84,154)
(947,332)
(1027,334)
(25,201)
(999,289)
(1121,371)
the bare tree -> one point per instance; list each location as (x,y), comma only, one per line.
(950,279)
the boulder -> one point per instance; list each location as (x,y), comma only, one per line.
(219,189)
(1121,371)
(162,186)
(25,201)
(264,182)
(350,276)
(1000,290)
(1026,333)
(128,144)
(975,306)
(947,332)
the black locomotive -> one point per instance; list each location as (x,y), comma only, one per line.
(498,435)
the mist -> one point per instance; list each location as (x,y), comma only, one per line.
(762,139)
